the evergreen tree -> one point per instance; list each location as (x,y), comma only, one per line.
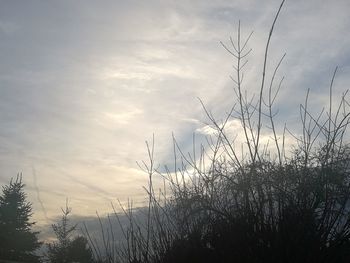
(17,240)
(68,248)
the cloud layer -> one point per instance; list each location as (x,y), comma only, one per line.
(83,84)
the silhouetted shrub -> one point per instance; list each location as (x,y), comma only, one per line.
(263,203)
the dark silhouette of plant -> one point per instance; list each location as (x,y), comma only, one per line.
(17,240)
(68,248)
(251,201)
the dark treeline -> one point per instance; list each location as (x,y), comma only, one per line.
(266,202)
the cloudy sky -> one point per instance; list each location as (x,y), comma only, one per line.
(83,84)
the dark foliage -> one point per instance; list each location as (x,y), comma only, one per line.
(17,241)
(284,214)
(68,248)
(261,203)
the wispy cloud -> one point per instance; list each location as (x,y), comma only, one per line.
(83,84)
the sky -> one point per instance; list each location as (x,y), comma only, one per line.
(83,85)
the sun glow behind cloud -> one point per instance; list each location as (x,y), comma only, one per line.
(83,84)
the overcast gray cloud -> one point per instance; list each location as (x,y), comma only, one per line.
(84,83)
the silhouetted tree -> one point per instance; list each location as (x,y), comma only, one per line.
(68,248)
(17,240)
